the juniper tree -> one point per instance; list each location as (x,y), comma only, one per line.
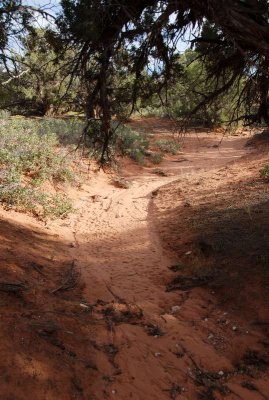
(231,36)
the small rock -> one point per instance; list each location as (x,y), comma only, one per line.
(221,373)
(175,309)
(84,306)
(210,336)
(157,354)
(188,253)
(234,328)
(73,244)
(113,391)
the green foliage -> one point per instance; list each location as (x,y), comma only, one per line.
(40,85)
(131,143)
(153,110)
(156,158)
(4,114)
(58,206)
(189,88)
(30,156)
(44,83)
(227,83)
(14,195)
(137,155)
(264,173)
(66,130)
(168,146)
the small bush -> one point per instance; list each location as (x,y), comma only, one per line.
(137,155)
(264,172)
(29,156)
(58,206)
(67,131)
(30,153)
(168,146)
(19,197)
(124,141)
(4,114)
(131,143)
(156,158)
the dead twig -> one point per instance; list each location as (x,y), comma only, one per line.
(116,297)
(37,268)
(70,280)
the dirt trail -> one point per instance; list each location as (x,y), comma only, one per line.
(124,267)
(100,314)
(116,247)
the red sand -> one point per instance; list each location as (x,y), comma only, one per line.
(119,334)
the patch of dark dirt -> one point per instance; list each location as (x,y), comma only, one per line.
(189,282)
(254,361)
(153,330)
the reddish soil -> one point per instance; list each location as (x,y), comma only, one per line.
(158,291)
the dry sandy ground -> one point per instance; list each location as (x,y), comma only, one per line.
(103,316)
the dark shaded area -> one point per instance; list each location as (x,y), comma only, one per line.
(42,342)
(227,237)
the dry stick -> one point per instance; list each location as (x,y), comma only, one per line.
(37,268)
(119,299)
(69,282)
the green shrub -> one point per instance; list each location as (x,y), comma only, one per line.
(168,146)
(4,114)
(67,131)
(131,143)
(29,156)
(137,155)
(31,153)
(156,158)
(58,206)
(264,172)
(19,197)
